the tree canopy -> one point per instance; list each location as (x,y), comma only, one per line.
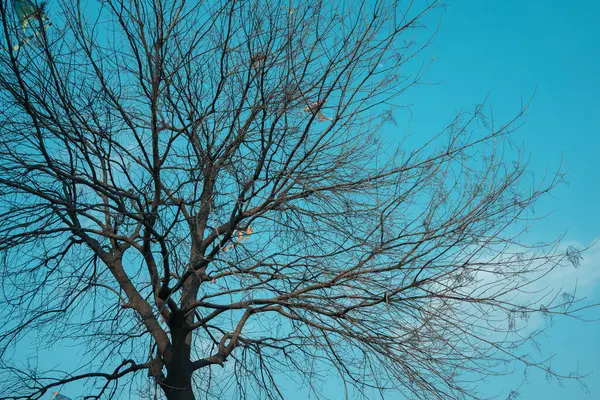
(199,199)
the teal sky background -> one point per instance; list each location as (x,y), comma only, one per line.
(506,51)
(509,50)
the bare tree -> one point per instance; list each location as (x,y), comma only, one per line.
(186,186)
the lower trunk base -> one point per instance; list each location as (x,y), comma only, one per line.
(179,390)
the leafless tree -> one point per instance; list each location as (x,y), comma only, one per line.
(191,185)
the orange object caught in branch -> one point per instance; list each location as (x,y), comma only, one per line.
(241,237)
(246,234)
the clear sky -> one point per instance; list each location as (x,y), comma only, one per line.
(506,50)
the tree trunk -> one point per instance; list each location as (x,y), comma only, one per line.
(178,389)
(178,383)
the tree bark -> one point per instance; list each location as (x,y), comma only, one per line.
(179,388)
(178,383)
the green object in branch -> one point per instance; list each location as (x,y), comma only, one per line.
(27,10)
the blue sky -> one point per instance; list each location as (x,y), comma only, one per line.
(507,50)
